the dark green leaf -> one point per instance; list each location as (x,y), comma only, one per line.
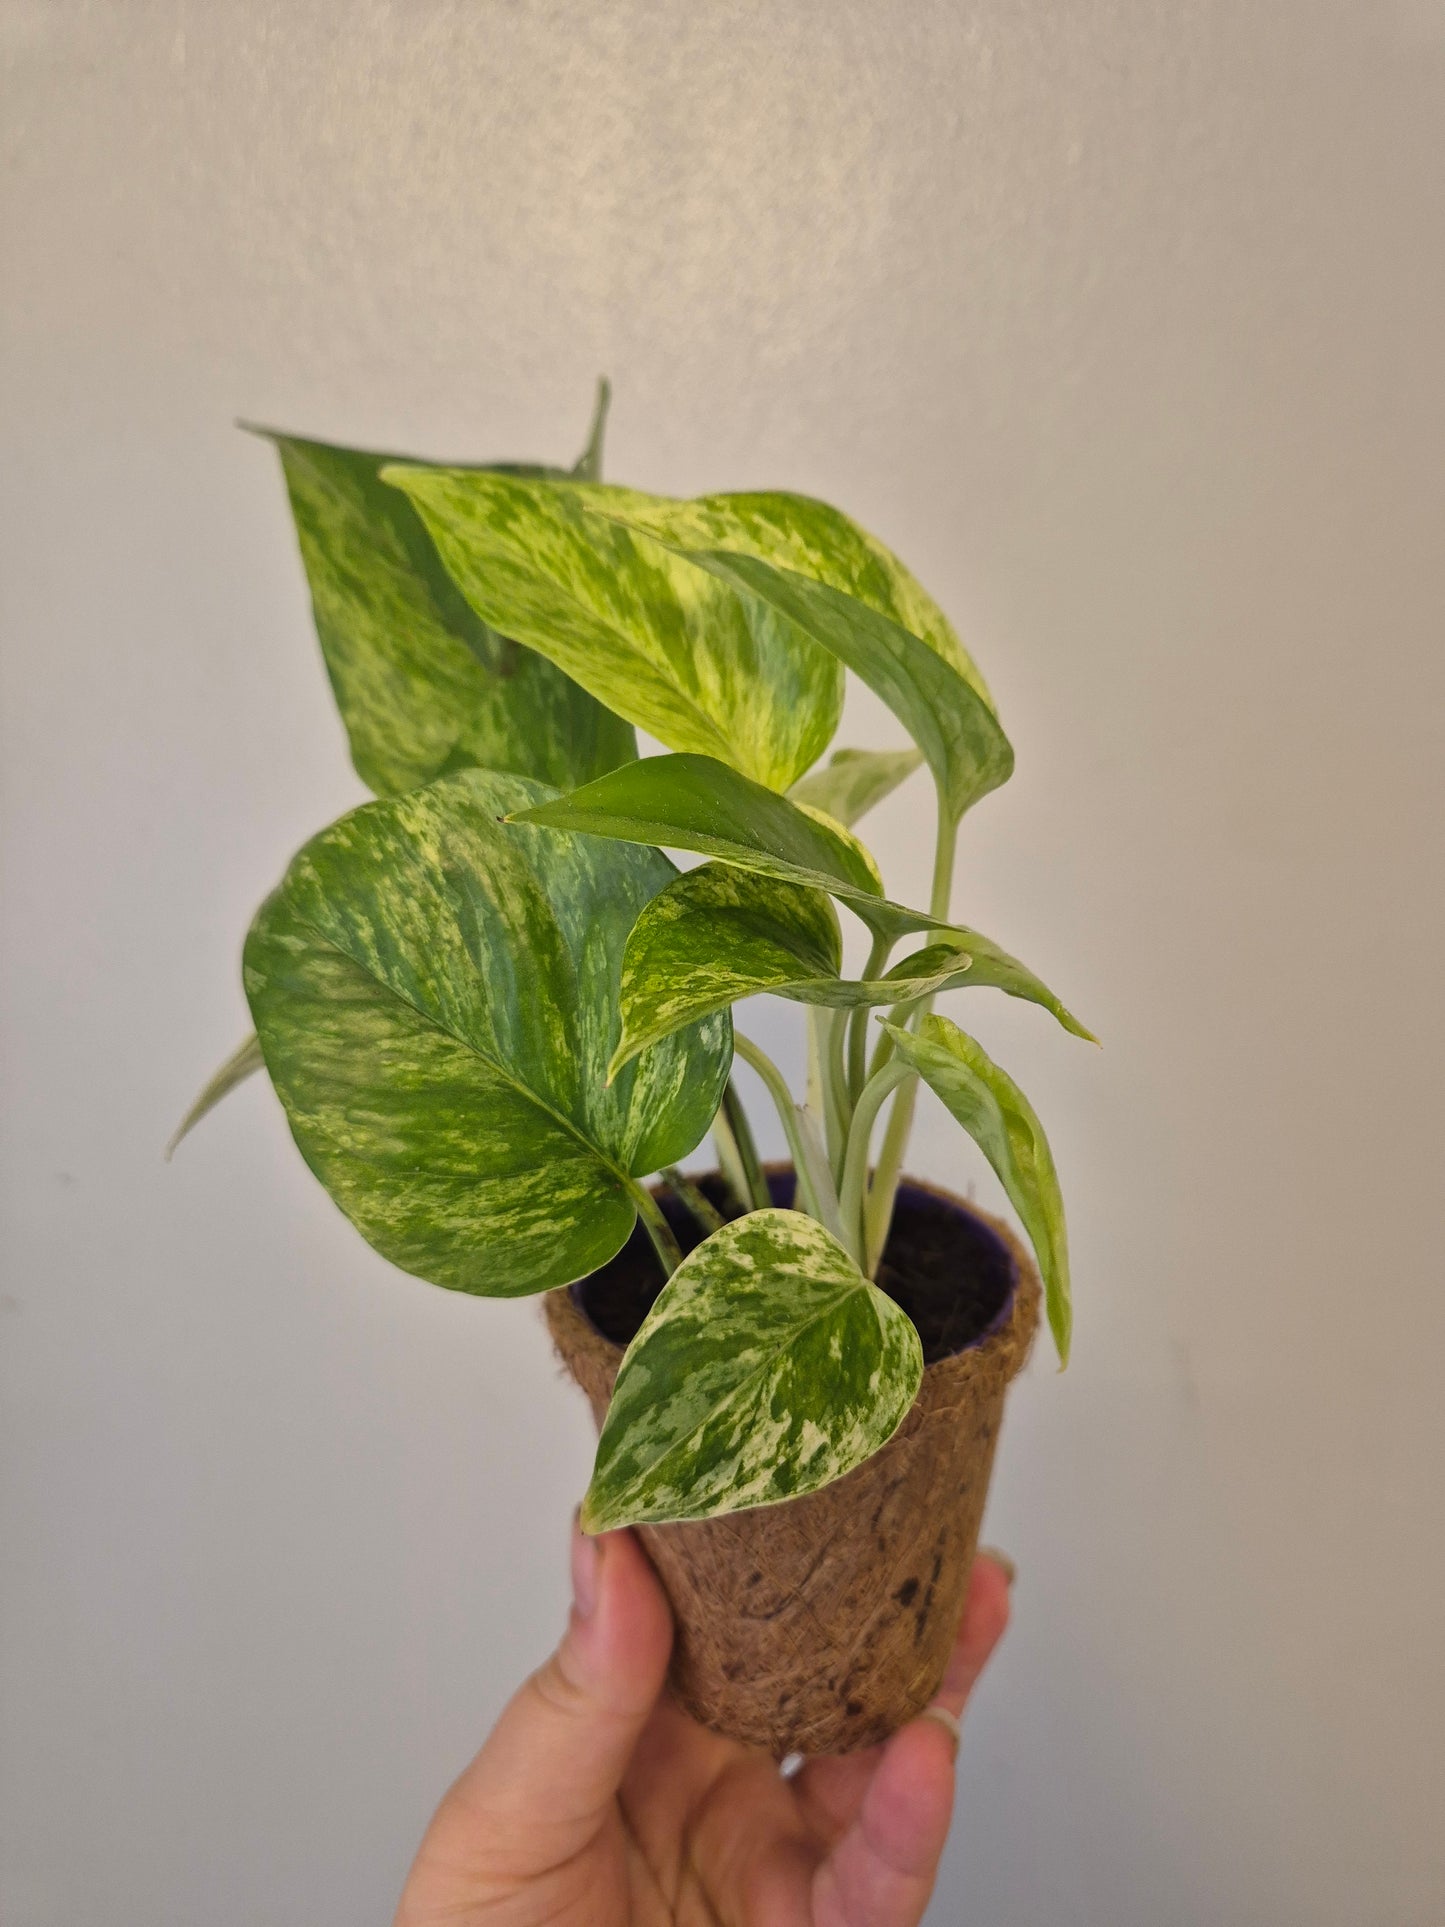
(422,684)
(1001,1121)
(655,639)
(697,803)
(768,1367)
(435,994)
(853,780)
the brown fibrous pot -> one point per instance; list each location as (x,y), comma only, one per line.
(823,1624)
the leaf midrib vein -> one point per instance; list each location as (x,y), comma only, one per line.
(507,1075)
(744,1384)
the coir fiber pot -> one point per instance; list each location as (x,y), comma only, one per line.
(822,1624)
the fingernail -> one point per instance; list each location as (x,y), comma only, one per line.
(947,1720)
(1002,1561)
(585,1562)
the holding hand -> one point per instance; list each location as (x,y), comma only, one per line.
(596,1802)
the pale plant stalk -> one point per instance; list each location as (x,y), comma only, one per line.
(858,1021)
(835,1081)
(704,1212)
(668,1250)
(882,1193)
(855,1169)
(822,1089)
(738,1153)
(831,1165)
(815,1101)
(816,1193)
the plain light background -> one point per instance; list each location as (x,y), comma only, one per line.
(1122,322)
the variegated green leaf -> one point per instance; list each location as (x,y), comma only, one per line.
(848,785)
(655,639)
(768,1367)
(714,935)
(435,993)
(697,803)
(1001,1121)
(240,1065)
(422,684)
(992,968)
(720,933)
(944,714)
(811,538)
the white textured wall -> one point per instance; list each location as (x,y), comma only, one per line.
(1123,322)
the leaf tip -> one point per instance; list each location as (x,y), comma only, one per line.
(1071,1023)
(591,1516)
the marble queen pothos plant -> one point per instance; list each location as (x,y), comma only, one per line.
(492,1007)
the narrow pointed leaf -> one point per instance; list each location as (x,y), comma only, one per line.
(422,683)
(992,968)
(945,715)
(588,465)
(698,803)
(768,1367)
(435,995)
(237,1068)
(1001,1121)
(853,780)
(809,537)
(654,638)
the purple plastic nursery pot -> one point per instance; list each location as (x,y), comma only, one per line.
(822,1624)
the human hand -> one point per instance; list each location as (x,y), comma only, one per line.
(596,1802)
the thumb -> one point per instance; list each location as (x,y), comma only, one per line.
(539,1790)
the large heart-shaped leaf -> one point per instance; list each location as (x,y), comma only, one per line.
(768,1367)
(435,994)
(848,785)
(654,638)
(698,803)
(422,683)
(720,933)
(1001,1121)
(811,538)
(944,714)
